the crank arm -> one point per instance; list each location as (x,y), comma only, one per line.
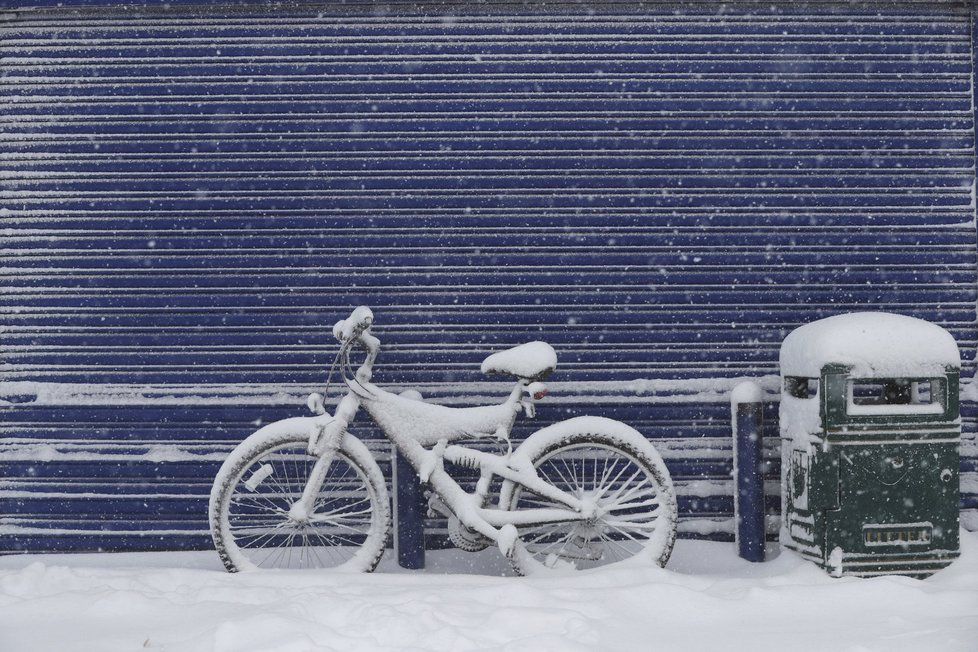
(436,507)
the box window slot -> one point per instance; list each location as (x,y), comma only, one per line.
(867,396)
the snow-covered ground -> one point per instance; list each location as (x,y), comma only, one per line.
(707,599)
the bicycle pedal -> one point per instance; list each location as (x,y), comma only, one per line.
(436,507)
(506,540)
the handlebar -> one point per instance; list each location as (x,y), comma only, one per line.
(351,328)
(356,328)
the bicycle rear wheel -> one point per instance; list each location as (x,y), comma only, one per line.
(610,467)
(265,475)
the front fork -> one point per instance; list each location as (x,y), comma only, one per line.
(325,440)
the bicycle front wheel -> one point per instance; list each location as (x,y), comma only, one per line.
(620,479)
(266,474)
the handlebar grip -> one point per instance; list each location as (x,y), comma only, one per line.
(353,326)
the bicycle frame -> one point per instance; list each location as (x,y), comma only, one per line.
(586,491)
(428,463)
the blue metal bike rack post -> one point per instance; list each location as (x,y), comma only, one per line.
(409,512)
(746,409)
(409,506)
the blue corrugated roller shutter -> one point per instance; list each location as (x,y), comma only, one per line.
(192,195)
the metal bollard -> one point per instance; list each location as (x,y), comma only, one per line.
(409,512)
(410,507)
(746,411)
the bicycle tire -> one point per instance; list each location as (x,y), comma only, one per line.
(265,475)
(611,464)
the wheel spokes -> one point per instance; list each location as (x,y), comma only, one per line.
(627,499)
(263,530)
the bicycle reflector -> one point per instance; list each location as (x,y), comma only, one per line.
(537,390)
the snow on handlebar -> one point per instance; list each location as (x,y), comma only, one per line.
(353,326)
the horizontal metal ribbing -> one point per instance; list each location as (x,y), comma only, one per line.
(191,200)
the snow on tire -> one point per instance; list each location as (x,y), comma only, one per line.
(265,475)
(615,468)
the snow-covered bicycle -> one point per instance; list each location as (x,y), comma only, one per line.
(305,493)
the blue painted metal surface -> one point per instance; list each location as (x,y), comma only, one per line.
(749,470)
(189,200)
(409,514)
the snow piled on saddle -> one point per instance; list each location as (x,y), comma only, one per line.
(533,361)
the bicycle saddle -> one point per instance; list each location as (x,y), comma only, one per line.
(532,361)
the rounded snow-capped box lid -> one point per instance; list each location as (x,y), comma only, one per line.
(872,344)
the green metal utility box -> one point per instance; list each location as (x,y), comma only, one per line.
(871,431)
